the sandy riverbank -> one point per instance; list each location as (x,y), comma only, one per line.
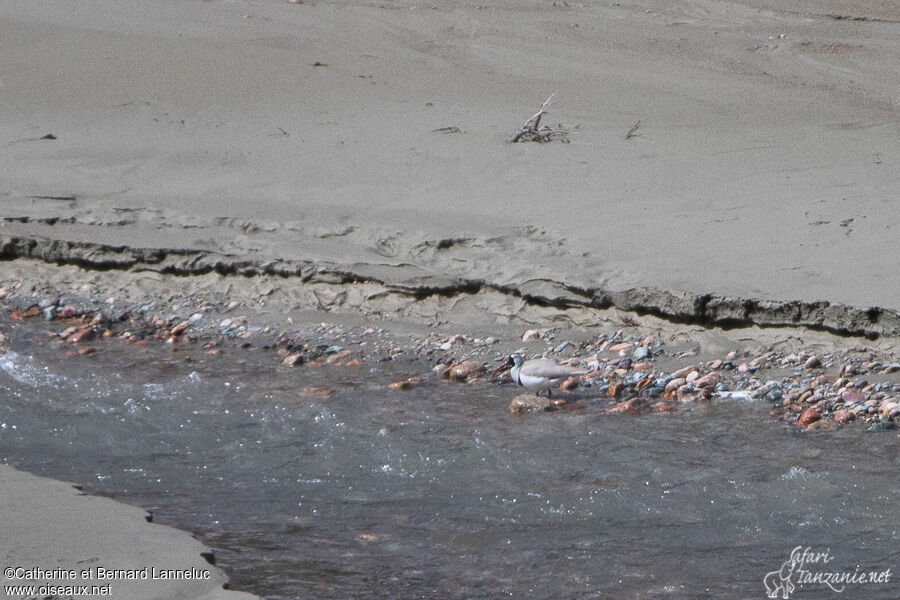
(55,535)
(303,136)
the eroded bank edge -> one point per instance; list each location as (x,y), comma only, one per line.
(710,310)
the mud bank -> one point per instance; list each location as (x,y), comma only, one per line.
(709,310)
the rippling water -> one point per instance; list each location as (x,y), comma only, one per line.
(440,492)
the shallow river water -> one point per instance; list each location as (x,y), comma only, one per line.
(440,492)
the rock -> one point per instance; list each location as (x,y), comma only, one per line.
(401,385)
(311,391)
(619,347)
(710,379)
(812,362)
(683,372)
(819,381)
(641,353)
(843,416)
(823,425)
(86,351)
(557,403)
(881,426)
(715,365)
(731,355)
(692,376)
(292,360)
(337,357)
(195,317)
(570,384)
(889,408)
(615,389)
(19,315)
(82,335)
(562,347)
(49,313)
(808,416)
(530,335)
(661,407)
(463,371)
(674,384)
(743,368)
(180,328)
(685,390)
(852,397)
(631,406)
(67,312)
(525,403)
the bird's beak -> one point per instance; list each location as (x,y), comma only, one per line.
(504,366)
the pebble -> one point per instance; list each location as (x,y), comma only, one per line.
(708,379)
(620,347)
(812,362)
(808,416)
(82,335)
(641,352)
(293,360)
(852,397)
(615,389)
(49,313)
(180,328)
(674,384)
(562,347)
(843,416)
(632,406)
(525,403)
(463,371)
(683,372)
(570,384)
(530,335)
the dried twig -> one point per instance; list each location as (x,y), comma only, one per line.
(632,131)
(532,131)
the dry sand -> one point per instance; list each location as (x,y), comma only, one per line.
(765,165)
(232,135)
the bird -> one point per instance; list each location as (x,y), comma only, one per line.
(539,373)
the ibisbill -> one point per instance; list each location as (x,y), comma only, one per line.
(537,374)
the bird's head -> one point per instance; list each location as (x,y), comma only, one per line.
(506,365)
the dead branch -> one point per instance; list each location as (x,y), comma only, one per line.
(632,131)
(532,131)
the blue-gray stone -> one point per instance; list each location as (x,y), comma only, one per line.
(562,347)
(641,352)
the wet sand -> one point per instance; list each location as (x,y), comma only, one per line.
(55,535)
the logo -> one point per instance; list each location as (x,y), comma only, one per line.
(808,567)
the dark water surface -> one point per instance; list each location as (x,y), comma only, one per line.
(440,492)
